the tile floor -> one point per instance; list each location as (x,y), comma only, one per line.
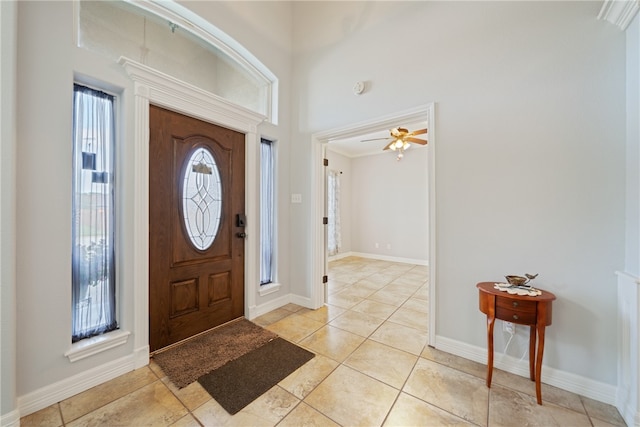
(372,368)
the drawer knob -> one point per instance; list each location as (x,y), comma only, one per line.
(515,317)
(515,303)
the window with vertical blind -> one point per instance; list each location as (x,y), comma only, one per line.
(267,210)
(93,214)
(334,233)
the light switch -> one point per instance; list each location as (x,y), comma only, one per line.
(296,198)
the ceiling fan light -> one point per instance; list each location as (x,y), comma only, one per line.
(399,143)
(406,145)
(393,147)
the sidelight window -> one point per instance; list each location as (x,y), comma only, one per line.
(267,210)
(93,214)
(334,233)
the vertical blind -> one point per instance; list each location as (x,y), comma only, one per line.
(267,211)
(93,232)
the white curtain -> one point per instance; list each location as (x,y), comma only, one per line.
(334,238)
(93,229)
(267,211)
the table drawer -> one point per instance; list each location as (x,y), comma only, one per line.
(511,310)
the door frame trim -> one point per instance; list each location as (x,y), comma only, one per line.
(319,141)
(154,87)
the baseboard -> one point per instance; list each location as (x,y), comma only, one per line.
(11,419)
(565,380)
(259,310)
(340,256)
(380,257)
(56,392)
(302,301)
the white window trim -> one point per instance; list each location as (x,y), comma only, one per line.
(268,288)
(94,345)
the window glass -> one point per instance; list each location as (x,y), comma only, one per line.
(117,28)
(267,213)
(93,222)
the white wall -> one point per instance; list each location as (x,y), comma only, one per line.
(8,52)
(384,202)
(46,63)
(391,205)
(530,112)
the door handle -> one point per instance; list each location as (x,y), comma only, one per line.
(241,235)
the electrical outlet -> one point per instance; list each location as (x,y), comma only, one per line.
(509,327)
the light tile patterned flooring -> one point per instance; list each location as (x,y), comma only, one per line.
(372,368)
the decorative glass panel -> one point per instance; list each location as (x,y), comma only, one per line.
(201,198)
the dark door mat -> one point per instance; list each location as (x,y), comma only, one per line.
(246,378)
(187,362)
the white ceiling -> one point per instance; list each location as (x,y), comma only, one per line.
(354,147)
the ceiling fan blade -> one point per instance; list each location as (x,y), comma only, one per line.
(418,132)
(416,141)
(374,139)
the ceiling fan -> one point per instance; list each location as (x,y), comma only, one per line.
(401,139)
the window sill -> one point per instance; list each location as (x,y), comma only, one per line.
(94,345)
(269,289)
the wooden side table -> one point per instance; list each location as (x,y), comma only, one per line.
(523,310)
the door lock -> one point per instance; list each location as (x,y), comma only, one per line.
(241,235)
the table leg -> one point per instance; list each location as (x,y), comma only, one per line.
(490,322)
(532,352)
(540,329)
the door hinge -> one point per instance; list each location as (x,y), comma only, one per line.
(325,278)
(325,220)
(325,162)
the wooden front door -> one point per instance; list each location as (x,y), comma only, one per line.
(196,226)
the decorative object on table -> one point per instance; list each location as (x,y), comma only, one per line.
(517,285)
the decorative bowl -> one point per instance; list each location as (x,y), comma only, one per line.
(516,280)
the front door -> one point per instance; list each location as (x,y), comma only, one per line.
(196,226)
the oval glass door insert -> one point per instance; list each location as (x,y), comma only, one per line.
(201,198)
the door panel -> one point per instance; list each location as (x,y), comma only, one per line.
(196,270)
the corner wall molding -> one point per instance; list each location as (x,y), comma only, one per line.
(619,12)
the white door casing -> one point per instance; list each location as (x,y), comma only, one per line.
(424,113)
(153,87)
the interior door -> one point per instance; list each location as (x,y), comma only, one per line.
(196,226)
